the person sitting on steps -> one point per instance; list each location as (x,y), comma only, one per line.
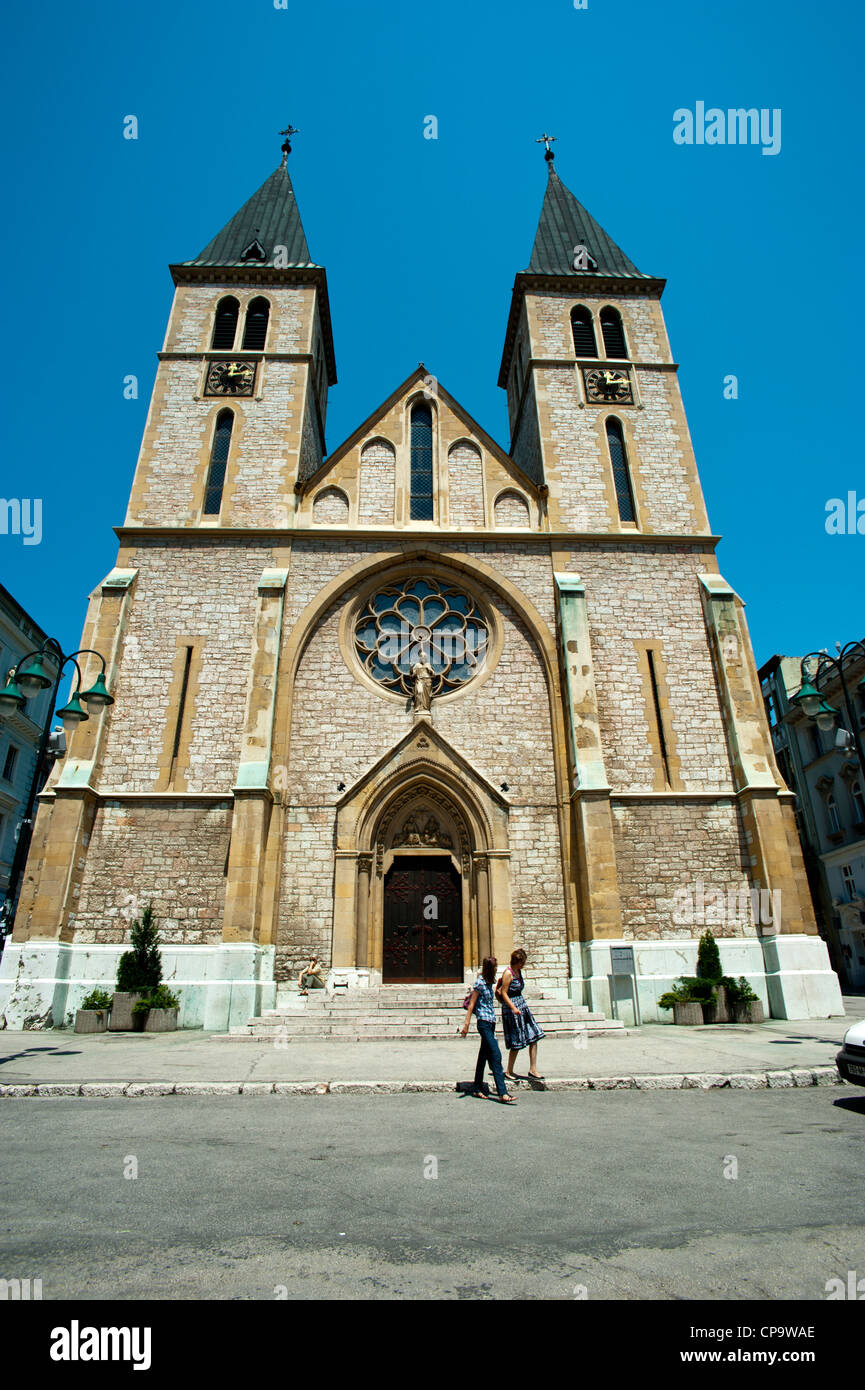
(310,976)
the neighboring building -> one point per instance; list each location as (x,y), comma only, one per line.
(19,733)
(830,805)
(582,746)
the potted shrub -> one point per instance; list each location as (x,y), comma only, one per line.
(686,1009)
(715,1009)
(92,1017)
(138,971)
(745,1005)
(156,1011)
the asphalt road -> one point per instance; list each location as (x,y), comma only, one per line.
(618,1195)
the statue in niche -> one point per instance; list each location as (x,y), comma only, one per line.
(422,678)
(410,833)
(434,835)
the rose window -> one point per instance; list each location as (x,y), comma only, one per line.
(421,620)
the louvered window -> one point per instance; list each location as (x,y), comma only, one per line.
(584,333)
(621,471)
(255,329)
(218,461)
(421,508)
(614,333)
(225,323)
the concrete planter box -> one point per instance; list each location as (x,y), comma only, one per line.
(91,1020)
(688,1013)
(160,1020)
(719,1012)
(749,1011)
(122,1018)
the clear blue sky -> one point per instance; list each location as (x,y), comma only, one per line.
(421,239)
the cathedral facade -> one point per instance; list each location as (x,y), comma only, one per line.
(423,699)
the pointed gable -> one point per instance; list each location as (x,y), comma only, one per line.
(269,219)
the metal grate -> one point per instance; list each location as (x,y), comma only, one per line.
(584,333)
(421,464)
(225,325)
(255,329)
(614,333)
(621,472)
(218,461)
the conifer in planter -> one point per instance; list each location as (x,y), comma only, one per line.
(138,971)
(715,1008)
(687,1009)
(92,1017)
(745,1005)
(156,1011)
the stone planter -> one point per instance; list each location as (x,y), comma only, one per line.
(719,1011)
(749,1011)
(688,1013)
(122,1018)
(160,1020)
(91,1020)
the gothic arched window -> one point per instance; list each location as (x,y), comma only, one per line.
(421,504)
(583,330)
(614,333)
(225,323)
(255,328)
(421,620)
(218,461)
(621,471)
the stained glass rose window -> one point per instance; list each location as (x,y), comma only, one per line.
(421,620)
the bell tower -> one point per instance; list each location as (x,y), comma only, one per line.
(238,411)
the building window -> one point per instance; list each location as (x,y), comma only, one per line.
(858,801)
(849,882)
(519,374)
(613,333)
(621,471)
(816,741)
(225,323)
(583,330)
(421,505)
(218,461)
(9,764)
(421,620)
(255,328)
(832,814)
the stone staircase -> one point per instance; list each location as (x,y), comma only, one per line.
(402,1011)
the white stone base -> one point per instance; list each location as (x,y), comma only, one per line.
(790,974)
(42,983)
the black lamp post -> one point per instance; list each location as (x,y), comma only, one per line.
(30,678)
(810,699)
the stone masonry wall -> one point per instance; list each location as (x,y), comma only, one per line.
(465,488)
(377,483)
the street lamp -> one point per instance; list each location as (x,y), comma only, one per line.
(812,703)
(29,678)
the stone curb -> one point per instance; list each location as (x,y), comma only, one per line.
(665,1081)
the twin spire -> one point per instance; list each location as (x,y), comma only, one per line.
(268,231)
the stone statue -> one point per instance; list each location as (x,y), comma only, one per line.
(422,676)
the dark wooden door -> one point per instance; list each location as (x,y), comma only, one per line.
(423,921)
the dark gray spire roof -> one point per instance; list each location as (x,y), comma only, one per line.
(270,218)
(564,224)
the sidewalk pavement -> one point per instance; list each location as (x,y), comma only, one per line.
(655,1056)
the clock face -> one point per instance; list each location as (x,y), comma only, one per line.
(230,379)
(604,384)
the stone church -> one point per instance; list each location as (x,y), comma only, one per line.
(421,699)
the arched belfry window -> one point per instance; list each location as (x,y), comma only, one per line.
(614,333)
(255,328)
(621,471)
(421,507)
(225,323)
(218,461)
(584,332)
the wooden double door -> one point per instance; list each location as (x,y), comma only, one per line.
(423,921)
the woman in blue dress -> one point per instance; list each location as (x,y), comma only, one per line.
(482,1004)
(518,1021)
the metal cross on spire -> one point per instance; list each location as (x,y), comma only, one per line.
(547,140)
(286,147)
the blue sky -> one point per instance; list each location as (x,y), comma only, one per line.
(421,238)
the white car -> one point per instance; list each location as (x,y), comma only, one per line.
(850,1061)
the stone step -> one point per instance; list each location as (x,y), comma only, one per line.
(388,1017)
(375,1028)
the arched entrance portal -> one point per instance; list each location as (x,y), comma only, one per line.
(423,932)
